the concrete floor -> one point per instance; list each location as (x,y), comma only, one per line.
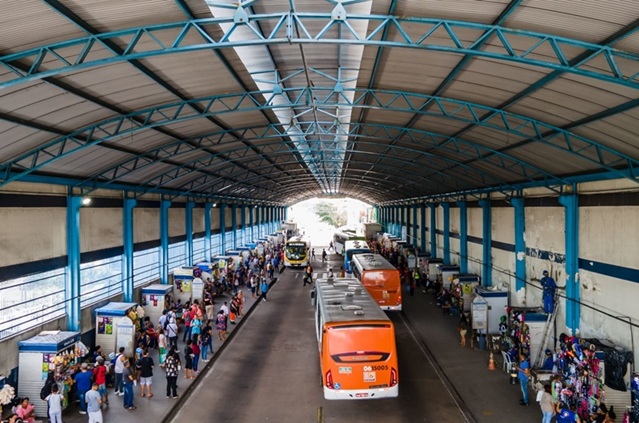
(268,371)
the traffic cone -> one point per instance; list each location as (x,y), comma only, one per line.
(491,362)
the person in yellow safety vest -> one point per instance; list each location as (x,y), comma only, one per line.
(416,277)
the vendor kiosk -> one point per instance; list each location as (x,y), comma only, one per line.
(183,283)
(116,324)
(447,271)
(432,268)
(496,301)
(236,257)
(155,299)
(466,285)
(221,262)
(54,351)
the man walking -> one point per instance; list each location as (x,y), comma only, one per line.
(324,254)
(523,372)
(549,286)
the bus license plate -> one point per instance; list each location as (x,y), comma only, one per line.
(362,395)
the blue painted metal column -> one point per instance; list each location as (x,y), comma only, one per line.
(234,224)
(207,231)
(463,236)
(520,243)
(396,221)
(433,230)
(243,223)
(414,222)
(573,312)
(286,214)
(72,285)
(487,240)
(164,241)
(188,225)
(260,219)
(446,208)
(252,223)
(222,228)
(422,228)
(127,253)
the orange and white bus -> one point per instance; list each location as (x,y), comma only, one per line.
(356,339)
(381,279)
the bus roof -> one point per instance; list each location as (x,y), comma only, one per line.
(356,244)
(297,239)
(371,262)
(346,300)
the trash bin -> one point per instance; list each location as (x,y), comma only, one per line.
(481,341)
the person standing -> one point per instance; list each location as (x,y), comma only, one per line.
(341,272)
(83,385)
(523,372)
(264,288)
(127,381)
(462,327)
(549,287)
(172,332)
(161,346)
(188,360)
(313,254)
(93,404)
(171,365)
(220,325)
(206,341)
(99,376)
(546,405)
(118,367)
(145,369)
(324,255)
(188,317)
(54,403)
(195,346)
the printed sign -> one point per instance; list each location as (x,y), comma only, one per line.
(370,376)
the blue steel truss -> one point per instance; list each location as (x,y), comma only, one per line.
(531,48)
(513,124)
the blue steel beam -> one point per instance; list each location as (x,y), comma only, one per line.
(487,243)
(76,54)
(113,46)
(208,251)
(456,147)
(234,224)
(463,236)
(164,242)
(520,242)
(188,225)
(571,235)
(446,237)
(447,108)
(433,230)
(127,243)
(422,228)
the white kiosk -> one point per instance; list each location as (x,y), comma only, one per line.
(54,351)
(496,301)
(182,283)
(155,299)
(115,327)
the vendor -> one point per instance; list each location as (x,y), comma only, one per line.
(26,411)
(549,362)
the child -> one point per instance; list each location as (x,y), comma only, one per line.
(54,400)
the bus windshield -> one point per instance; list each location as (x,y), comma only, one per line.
(296,249)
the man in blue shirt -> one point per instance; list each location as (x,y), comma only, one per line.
(83,385)
(522,373)
(565,414)
(549,286)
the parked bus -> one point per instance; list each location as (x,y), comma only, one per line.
(381,279)
(353,247)
(341,236)
(356,340)
(296,252)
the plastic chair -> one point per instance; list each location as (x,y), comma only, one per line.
(507,361)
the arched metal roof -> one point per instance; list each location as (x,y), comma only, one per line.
(276,101)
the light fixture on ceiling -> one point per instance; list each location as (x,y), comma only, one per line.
(86,201)
(214,204)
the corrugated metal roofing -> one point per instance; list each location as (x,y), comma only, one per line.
(464,96)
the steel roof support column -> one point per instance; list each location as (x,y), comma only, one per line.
(414,223)
(188,225)
(520,243)
(72,284)
(446,208)
(487,238)
(422,228)
(405,222)
(164,241)
(395,221)
(207,231)
(571,205)
(463,236)
(433,230)
(285,214)
(252,223)
(243,223)
(234,225)
(127,253)
(270,220)
(260,227)
(222,228)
